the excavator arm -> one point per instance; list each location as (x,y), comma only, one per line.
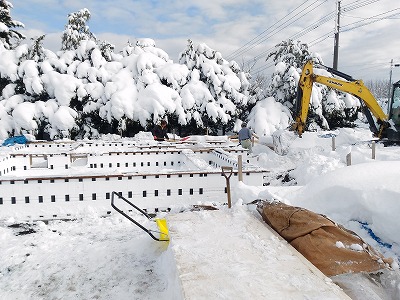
(349,85)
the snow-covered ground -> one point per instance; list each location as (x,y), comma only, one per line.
(97,257)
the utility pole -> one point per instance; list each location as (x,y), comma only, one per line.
(390,84)
(336,42)
(390,80)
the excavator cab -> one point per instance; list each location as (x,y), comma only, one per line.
(394,104)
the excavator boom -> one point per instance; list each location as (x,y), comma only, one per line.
(351,86)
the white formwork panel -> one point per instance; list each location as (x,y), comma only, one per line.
(149,161)
(78,175)
(58,161)
(6,163)
(10,163)
(146,191)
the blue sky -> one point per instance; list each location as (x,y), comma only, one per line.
(227,25)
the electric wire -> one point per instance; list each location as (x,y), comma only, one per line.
(266,30)
(358,4)
(363,18)
(312,27)
(372,19)
(260,38)
(355,25)
(301,33)
(306,30)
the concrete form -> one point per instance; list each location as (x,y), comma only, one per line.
(58,180)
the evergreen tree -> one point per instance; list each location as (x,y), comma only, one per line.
(328,109)
(289,57)
(9,36)
(379,88)
(227,86)
(87,66)
(106,50)
(76,30)
(32,71)
(36,50)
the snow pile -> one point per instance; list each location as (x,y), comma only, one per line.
(267,116)
(97,257)
(352,193)
(362,197)
(62,260)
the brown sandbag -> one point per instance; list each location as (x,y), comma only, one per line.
(331,248)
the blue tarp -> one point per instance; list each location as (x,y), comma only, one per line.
(365,226)
(21,139)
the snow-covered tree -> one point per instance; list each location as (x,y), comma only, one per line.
(379,88)
(36,50)
(328,109)
(159,82)
(78,93)
(76,30)
(86,89)
(106,49)
(9,36)
(226,84)
(289,57)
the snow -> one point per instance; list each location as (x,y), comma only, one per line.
(141,84)
(356,199)
(61,86)
(24,114)
(3,27)
(268,116)
(97,257)
(121,263)
(64,118)
(257,270)
(100,257)
(339,244)
(117,90)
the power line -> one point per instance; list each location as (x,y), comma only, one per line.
(292,21)
(373,19)
(357,4)
(317,24)
(362,18)
(383,61)
(348,7)
(364,66)
(321,38)
(270,27)
(262,37)
(357,24)
(278,28)
(299,34)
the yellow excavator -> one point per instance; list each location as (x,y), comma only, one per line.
(386,127)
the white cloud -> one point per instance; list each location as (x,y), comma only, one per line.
(226,25)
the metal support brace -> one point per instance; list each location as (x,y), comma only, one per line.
(161,223)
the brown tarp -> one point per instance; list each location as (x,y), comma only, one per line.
(331,248)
